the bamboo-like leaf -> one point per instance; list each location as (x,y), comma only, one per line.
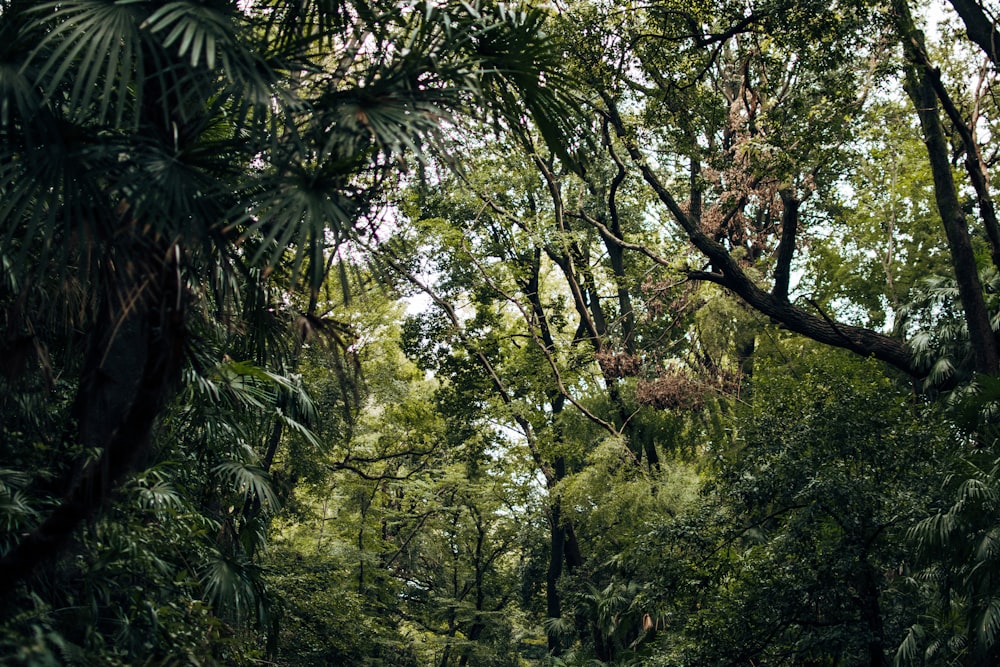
(976,490)
(908,650)
(300,429)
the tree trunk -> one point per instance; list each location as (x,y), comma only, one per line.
(919,86)
(871,615)
(979,27)
(557,546)
(786,247)
(133,361)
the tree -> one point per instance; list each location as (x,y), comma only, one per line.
(537,346)
(796,552)
(743,130)
(419,509)
(155,152)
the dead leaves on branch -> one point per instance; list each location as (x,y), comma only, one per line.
(683,389)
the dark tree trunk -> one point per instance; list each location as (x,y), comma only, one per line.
(133,361)
(479,562)
(979,27)
(871,615)
(920,88)
(786,247)
(557,546)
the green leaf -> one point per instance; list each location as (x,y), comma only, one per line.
(250,481)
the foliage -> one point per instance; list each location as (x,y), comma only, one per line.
(466,333)
(797,550)
(955,544)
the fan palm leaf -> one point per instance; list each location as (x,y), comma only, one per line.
(89,56)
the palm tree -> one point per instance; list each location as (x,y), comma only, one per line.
(155,155)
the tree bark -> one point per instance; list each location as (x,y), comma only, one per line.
(871,614)
(557,546)
(786,247)
(616,253)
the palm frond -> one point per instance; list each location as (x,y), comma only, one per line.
(230,584)
(53,204)
(90,52)
(300,428)
(250,481)
(559,627)
(156,491)
(935,532)
(198,32)
(908,650)
(307,208)
(18,97)
(989,624)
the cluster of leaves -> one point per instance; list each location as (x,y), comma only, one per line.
(797,549)
(169,571)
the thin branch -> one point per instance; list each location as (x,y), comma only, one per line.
(495,380)
(637,247)
(557,374)
(380,477)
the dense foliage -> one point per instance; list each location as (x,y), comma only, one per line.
(365,332)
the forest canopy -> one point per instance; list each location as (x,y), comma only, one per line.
(447,333)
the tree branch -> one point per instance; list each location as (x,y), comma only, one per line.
(728,273)
(980,28)
(786,247)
